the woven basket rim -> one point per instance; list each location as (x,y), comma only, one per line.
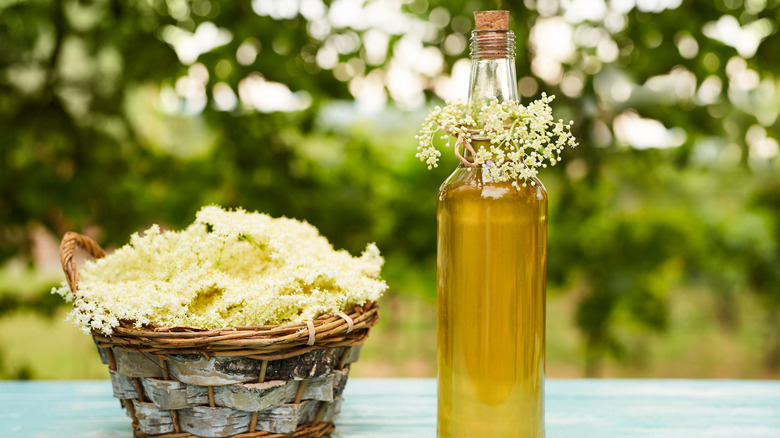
(262,342)
(127,327)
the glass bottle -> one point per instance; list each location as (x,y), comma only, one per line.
(492,240)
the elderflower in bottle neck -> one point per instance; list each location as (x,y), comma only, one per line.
(493,74)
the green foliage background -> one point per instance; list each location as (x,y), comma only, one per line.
(85,145)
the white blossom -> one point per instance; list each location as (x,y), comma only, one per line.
(229,268)
(516,140)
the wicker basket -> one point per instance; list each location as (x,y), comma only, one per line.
(263,381)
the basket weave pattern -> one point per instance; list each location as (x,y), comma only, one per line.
(262,381)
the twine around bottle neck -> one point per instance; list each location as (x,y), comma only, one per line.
(492,44)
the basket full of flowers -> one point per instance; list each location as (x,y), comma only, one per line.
(239,325)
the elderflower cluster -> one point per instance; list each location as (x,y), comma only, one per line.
(229,268)
(511,141)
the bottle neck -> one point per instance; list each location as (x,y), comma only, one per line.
(492,68)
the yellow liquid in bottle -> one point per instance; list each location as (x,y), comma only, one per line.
(492,240)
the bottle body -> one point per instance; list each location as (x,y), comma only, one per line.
(491,264)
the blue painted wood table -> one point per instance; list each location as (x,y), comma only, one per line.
(375,408)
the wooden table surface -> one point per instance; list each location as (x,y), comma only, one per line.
(373,408)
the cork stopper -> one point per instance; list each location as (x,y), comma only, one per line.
(491,20)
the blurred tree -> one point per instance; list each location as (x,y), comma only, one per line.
(117,114)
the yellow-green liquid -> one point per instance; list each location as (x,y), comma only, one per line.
(492,240)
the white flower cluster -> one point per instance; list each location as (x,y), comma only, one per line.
(229,268)
(513,140)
